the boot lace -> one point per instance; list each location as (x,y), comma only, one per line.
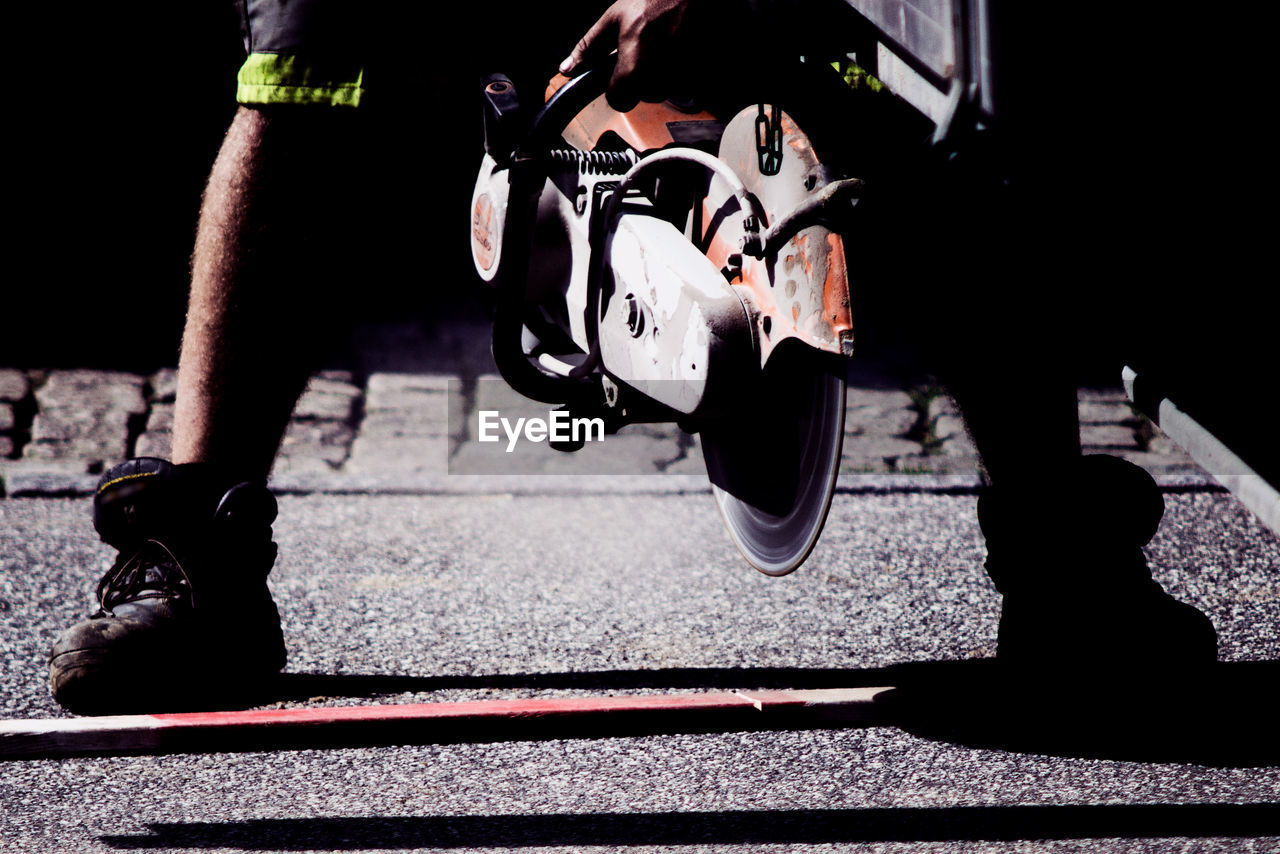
(150,572)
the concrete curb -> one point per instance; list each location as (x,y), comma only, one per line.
(1208,450)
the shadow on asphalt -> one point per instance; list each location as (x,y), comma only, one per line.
(1223,717)
(742,827)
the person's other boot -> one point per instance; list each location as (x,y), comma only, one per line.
(1078,594)
(185,618)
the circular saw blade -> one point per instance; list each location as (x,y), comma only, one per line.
(773,470)
(773,461)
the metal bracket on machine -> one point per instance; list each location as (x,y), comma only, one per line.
(830,205)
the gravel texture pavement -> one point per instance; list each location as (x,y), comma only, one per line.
(402,598)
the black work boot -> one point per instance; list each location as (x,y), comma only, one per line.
(1078,595)
(185,618)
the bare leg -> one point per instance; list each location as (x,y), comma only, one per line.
(261,307)
(188,595)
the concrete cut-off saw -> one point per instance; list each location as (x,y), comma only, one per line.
(678,263)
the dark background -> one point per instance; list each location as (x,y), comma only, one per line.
(117,112)
(117,116)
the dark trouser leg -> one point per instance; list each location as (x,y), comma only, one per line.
(1064,532)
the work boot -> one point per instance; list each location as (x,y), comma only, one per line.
(1078,594)
(184,616)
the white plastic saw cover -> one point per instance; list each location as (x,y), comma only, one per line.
(669,311)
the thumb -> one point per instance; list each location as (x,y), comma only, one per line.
(599,42)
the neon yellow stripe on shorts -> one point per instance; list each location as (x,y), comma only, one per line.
(276,78)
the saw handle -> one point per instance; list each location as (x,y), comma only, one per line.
(545,131)
(502,117)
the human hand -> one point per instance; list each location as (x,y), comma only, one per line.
(654,40)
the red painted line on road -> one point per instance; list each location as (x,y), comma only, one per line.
(424,723)
(478,709)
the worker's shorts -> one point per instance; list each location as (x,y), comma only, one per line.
(345,52)
(302,52)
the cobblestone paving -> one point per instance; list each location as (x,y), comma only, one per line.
(73,423)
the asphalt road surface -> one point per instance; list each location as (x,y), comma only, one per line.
(394,599)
